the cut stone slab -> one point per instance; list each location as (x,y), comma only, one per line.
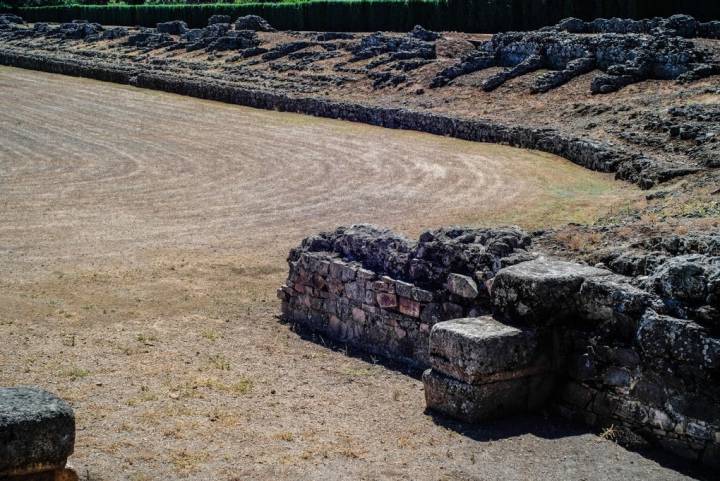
(37,431)
(541,292)
(669,342)
(613,298)
(477,403)
(481,350)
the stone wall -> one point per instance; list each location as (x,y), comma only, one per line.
(383,293)
(505,330)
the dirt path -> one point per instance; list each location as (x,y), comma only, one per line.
(141,238)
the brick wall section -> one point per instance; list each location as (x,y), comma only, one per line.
(381,292)
(376,313)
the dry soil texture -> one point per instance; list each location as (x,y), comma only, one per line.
(142,236)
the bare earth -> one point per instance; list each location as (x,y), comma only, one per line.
(142,236)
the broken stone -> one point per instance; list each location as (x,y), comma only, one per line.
(253,22)
(219,19)
(175,27)
(462,286)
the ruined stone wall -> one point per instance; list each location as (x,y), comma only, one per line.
(383,293)
(506,330)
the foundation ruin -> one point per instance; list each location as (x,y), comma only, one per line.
(500,329)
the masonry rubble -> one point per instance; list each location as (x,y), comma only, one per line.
(501,329)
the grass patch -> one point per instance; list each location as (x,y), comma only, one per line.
(74,373)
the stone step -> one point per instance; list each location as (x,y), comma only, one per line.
(540,292)
(484,369)
(474,403)
(482,350)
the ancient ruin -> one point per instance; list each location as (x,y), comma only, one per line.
(614,324)
(504,329)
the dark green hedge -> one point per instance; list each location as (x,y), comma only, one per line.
(370,15)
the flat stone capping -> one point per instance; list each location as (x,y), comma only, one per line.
(541,292)
(482,350)
(37,431)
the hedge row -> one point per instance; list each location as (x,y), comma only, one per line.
(370,15)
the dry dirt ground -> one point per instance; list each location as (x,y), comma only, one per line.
(142,236)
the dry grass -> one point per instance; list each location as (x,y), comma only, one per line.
(145,270)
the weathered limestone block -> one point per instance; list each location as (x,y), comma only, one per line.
(462,286)
(664,340)
(475,403)
(613,299)
(483,350)
(37,431)
(541,292)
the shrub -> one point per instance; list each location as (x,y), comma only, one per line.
(370,15)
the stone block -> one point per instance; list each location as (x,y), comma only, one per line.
(384,285)
(421,295)
(617,377)
(387,300)
(358,315)
(612,298)
(452,310)
(481,350)
(365,275)
(476,403)
(462,286)
(403,289)
(432,313)
(37,431)
(541,292)
(666,340)
(409,307)
(355,291)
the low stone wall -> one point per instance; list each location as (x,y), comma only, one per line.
(383,293)
(504,330)
(595,155)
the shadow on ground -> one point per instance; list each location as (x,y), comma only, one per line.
(544,425)
(551,426)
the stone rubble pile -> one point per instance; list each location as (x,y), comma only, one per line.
(625,51)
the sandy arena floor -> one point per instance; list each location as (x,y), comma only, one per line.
(142,235)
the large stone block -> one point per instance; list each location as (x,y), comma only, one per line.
(462,286)
(666,341)
(476,403)
(541,292)
(37,431)
(482,350)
